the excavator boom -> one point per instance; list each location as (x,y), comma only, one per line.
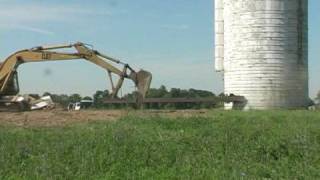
(8,68)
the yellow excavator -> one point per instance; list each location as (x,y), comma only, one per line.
(9,86)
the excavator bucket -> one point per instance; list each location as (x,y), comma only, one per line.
(143,82)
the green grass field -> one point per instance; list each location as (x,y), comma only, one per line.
(223,145)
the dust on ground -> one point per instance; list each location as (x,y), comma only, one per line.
(51,118)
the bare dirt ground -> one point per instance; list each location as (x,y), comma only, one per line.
(57,117)
(51,118)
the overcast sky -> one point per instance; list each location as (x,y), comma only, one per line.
(173,39)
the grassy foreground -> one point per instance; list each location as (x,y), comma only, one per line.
(224,145)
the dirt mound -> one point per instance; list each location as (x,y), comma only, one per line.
(57,117)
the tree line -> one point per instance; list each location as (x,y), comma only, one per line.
(162,92)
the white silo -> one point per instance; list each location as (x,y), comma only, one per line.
(262,50)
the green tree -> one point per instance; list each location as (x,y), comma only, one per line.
(61,99)
(99,96)
(87,98)
(75,98)
(200,93)
(157,93)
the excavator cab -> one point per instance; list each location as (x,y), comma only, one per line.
(12,86)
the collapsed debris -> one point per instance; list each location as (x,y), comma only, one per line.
(44,102)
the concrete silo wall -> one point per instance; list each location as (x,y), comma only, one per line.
(266,52)
(219,35)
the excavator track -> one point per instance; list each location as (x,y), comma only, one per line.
(13,106)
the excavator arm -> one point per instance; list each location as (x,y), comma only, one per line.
(8,74)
